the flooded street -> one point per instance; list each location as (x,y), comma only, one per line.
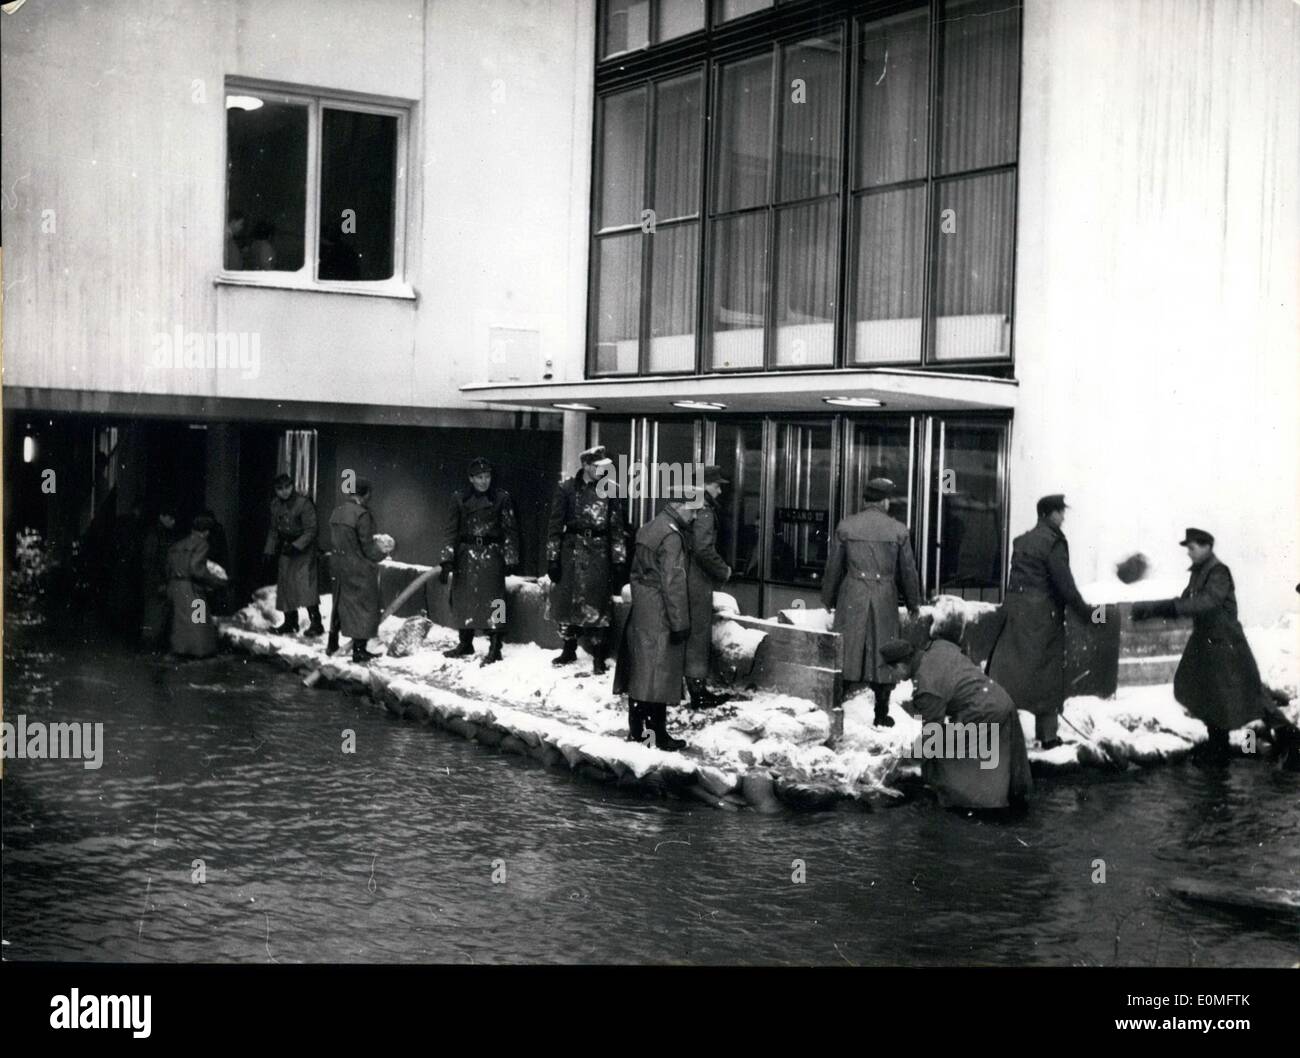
(388,854)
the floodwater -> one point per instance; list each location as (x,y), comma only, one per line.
(227,824)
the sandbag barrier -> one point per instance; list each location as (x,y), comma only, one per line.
(549,742)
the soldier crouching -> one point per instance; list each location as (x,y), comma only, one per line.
(586,554)
(480,546)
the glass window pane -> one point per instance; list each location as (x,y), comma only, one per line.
(893,100)
(802,518)
(677,148)
(882,449)
(616,435)
(622,158)
(618,303)
(972,294)
(266,186)
(725,10)
(739,310)
(806,282)
(810,119)
(969,510)
(674,459)
(627,26)
(678,17)
(890,233)
(358,174)
(744,133)
(738,450)
(979,84)
(674,272)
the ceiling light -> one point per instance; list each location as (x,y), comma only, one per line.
(699,405)
(243,103)
(575,407)
(854,402)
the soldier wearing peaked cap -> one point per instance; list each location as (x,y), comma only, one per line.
(481,546)
(1028,658)
(871,565)
(354,563)
(1217,680)
(706,572)
(586,555)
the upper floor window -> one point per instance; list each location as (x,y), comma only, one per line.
(851,204)
(314,189)
(627,25)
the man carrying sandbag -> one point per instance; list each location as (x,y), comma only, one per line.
(706,572)
(291,541)
(354,564)
(586,555)
(189,583)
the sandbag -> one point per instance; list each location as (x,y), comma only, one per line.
(409,637)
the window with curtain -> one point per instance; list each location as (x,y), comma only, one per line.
(913,187)
(627,25)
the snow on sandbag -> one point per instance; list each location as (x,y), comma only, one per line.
(217,573)
(724,603)
(736,645)
(408,638)
(818,620)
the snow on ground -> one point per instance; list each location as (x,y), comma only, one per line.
(568,713)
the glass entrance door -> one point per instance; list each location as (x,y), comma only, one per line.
(967,496)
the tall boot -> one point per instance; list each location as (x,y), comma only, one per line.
(288,625)
(464,647)
(659,725)
(701,696)
(568,654)
(882,691)
(635,721)
(494,646)
(600,656)
(317,627)
(360,655)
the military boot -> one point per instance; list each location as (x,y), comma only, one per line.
(701,696)
(360,655)
(568,655)
(464,648)
(289,625)
(317,627)
(599,660)
(494,647)
(882,692)
(635,721)
(659,725)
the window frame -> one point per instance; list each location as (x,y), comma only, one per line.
(771,31)
(306,277)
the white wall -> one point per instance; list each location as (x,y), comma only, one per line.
(114,118)
(1156,338)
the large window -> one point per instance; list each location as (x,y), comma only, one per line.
(791,479)
(314,189)
(834,235)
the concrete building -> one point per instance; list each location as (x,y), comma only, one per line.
(993,249)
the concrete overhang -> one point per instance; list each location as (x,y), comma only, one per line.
(898,389)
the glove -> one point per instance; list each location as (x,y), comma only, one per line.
(444,574)
(679,636)
(554,571)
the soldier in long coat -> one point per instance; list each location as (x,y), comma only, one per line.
(354,563)
(291,539)
(948,687)
(1028,658)
(1217,680)
(188,586)
(871,564)
(155,617)
(480,546)
(706,573)
(586,555)
(652,657)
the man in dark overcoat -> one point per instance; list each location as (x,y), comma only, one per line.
(586,555)
(155,619)
(707,572)
(871,565)
(354,564)
(1217,680)
(652,657)
(189,585)
(291,541)
(480,546)
(1028,658)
